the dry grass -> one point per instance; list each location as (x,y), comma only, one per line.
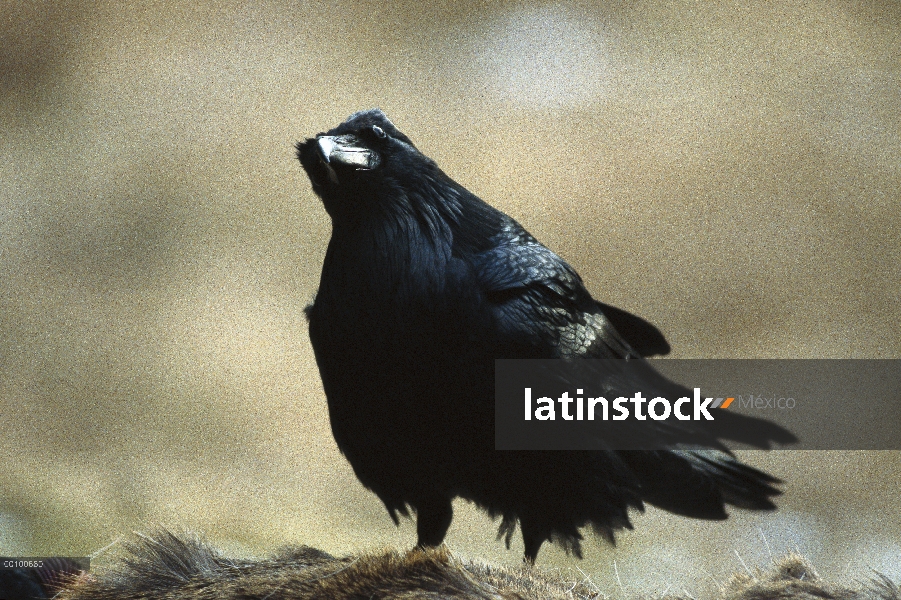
(168,566)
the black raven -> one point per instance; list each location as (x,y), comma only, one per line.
(422,287)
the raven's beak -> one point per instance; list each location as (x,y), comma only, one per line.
(345,150)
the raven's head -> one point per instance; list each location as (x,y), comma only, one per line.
(360,162)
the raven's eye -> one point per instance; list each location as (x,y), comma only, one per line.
(378,131)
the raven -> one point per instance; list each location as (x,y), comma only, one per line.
(423,286)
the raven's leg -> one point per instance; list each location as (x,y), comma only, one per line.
(433,517)
(532,539)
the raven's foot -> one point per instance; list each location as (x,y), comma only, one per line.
(433,518)
(532,540)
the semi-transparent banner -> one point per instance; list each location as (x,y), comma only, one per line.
(808,404)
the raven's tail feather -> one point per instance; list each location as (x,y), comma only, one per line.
(699,483)
(753,431)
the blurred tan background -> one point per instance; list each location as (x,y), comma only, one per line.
(731,173)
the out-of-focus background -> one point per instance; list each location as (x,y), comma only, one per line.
(730,172)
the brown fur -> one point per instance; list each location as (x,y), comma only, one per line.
(164,566)
(794,578)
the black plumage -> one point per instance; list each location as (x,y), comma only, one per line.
(422,287)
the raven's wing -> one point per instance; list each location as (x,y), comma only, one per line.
(643,336)
(539,300)
(541,308)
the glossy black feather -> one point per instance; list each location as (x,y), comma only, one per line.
(422,287)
